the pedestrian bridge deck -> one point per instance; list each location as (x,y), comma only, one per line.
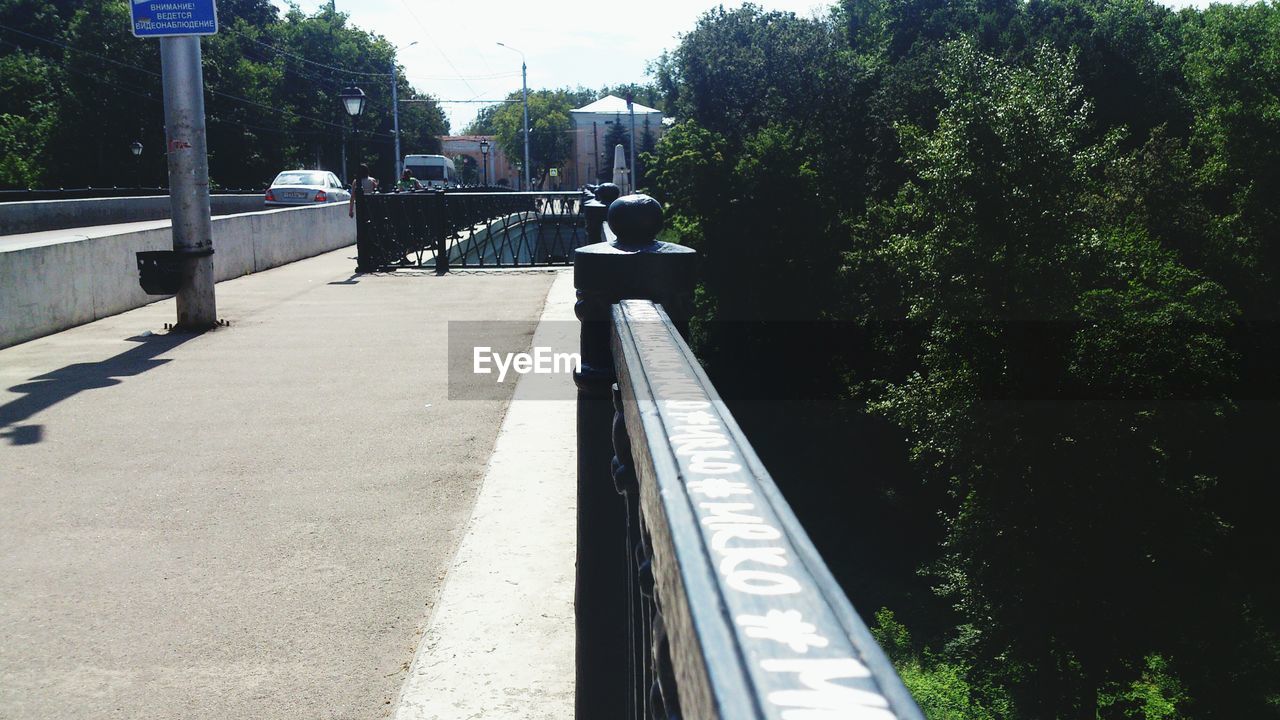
(275,519)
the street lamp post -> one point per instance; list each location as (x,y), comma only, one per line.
(136,149)
(484,153)
(524,91)
(353,100)
(395,111)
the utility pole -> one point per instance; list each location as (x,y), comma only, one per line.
(395,114)
(631,108)
(395,120)
(189,179)
(524,90)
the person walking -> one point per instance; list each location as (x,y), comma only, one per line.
(362,184)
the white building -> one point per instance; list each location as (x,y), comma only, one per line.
(591,124)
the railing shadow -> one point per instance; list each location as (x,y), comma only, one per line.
(44,391)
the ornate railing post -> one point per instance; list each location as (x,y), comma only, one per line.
(366,260)
(633,266)
(439,229)
(597,209)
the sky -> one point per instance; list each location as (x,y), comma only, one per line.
(565,44)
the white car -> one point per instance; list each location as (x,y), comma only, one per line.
(306,187)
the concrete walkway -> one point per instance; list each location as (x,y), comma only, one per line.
(501,640)
(255,522)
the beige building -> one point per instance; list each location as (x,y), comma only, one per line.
(500,168)
(591,124)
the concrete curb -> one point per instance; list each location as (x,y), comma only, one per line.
(500,640)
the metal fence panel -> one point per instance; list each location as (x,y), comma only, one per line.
(469,229)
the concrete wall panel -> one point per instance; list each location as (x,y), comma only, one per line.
(41,215)
(53,287)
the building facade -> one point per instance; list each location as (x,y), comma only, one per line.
(590,128)
(591,124)
(501,170)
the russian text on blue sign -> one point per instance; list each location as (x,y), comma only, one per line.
(167,18)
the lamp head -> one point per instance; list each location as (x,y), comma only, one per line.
(353,100)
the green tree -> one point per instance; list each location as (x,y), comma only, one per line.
(271,100)
(550,131)
(941,688)
(1233,70)
(647,94)
(1066,207)
(644,153)
(740,70)
(243,79)
(25,131)
(1128,55)
(468,169)
(109,96)
(1029,313)
(483,122)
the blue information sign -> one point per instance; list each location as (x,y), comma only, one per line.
(166,18)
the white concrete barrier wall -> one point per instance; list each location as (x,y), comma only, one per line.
(51,287)
(41,215)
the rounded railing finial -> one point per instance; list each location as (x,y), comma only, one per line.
(635,219)
(607,193)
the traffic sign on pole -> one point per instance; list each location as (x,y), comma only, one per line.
(172,18)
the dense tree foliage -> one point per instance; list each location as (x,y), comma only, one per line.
(1031,247)
(79,89)
(550,129)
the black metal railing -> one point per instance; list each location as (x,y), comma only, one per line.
(732,612)
(699,594)
(439,230)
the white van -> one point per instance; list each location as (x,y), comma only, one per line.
(433,171)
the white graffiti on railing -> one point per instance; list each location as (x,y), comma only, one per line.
(751,552)
(823,698)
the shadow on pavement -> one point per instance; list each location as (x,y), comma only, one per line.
(44,391)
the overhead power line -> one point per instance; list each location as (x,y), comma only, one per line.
(432,39)
(309,61)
